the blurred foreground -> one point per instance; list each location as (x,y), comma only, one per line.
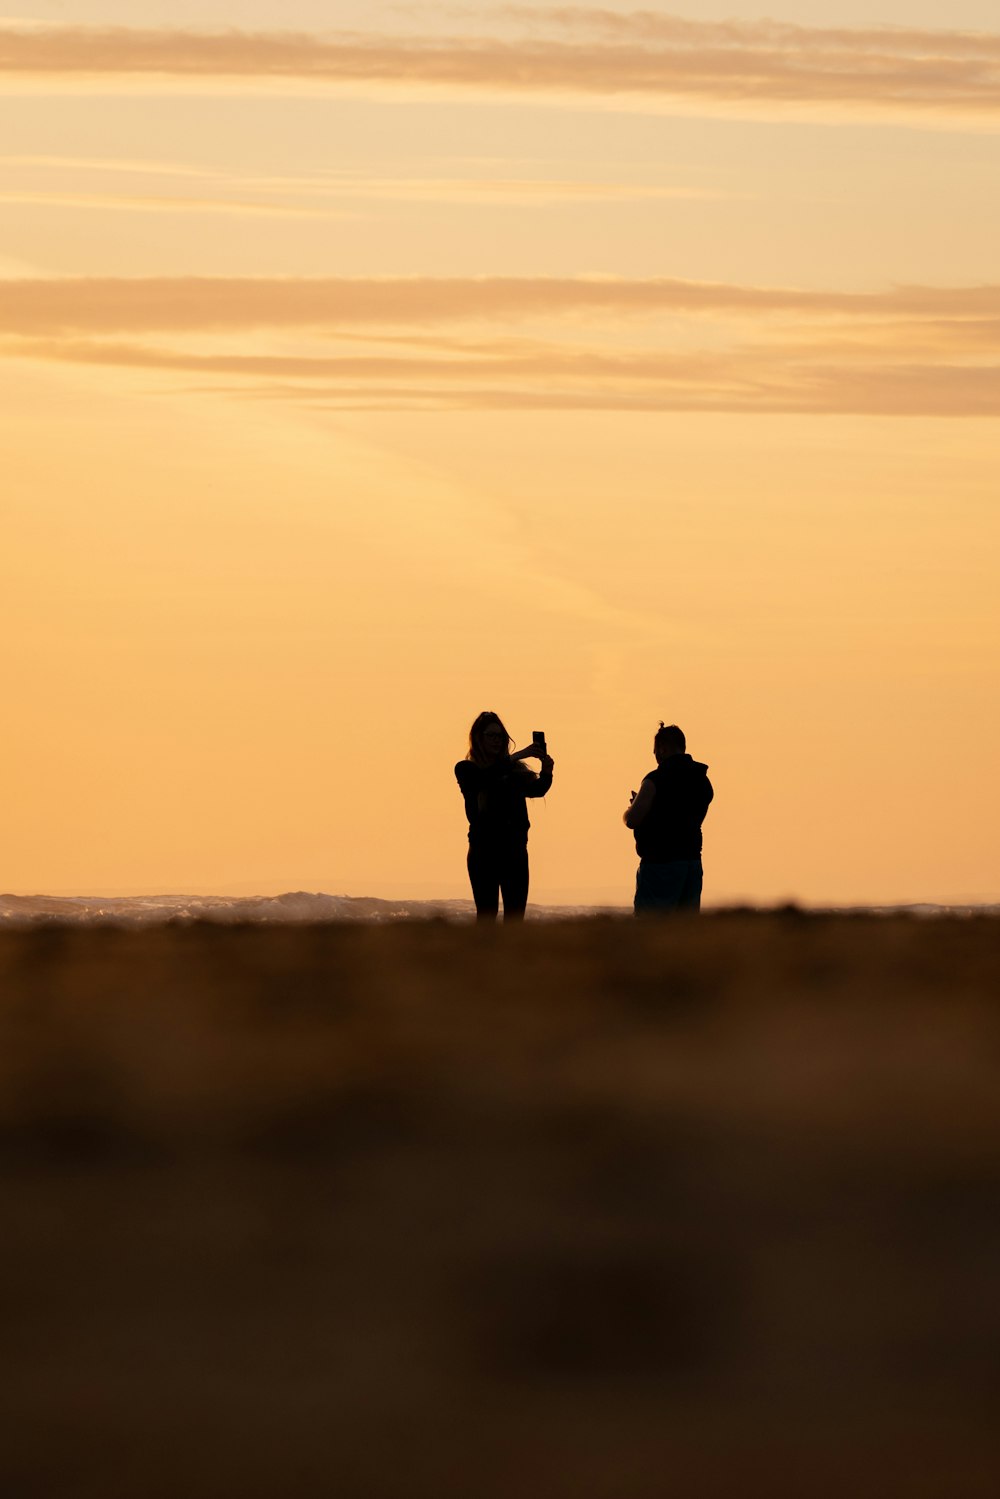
(592,1210)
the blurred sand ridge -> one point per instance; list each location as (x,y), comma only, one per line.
(582,1210)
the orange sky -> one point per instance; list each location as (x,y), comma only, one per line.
(366,366)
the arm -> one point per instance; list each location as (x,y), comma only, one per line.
(640,805)
(468,778)
(538,785)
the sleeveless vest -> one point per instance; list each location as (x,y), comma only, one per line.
(672,827)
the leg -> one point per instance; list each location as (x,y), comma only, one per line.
(690,897)
(485,880)
(514,883)
(659,887)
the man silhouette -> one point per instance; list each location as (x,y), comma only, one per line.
(666,818)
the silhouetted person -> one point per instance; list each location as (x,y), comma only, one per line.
(666,818)
(495,785)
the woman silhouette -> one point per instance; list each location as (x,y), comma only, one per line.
(495,785)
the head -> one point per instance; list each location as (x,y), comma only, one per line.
(668,740)
(488,740)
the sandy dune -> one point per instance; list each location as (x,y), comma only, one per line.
(588,1210)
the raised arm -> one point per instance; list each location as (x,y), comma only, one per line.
(538,785)
(639,806)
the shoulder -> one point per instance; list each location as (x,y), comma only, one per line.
(465,770)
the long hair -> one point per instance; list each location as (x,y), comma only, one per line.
(477,750)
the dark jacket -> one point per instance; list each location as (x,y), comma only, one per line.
(495,799)
(671,828)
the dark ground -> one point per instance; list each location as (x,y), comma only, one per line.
(594,1210)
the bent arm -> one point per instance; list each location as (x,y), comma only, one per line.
(640,805)
(538,785)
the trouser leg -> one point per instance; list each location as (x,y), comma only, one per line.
(690,898)
(484,876)
(668,886)
(514,883)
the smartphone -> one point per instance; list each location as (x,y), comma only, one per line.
(538,739)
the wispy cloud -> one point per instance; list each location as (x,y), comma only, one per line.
(923,391)
(130,186)
(583,343)
(131,166)
(170,203)
(311,195)
(110,305)
(647,25)
(640,56)
(445,366)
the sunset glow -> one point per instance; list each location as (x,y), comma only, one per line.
(367,365)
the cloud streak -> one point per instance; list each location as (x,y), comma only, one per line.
(639,56)
(110,305)
(316,195)
(646,25)
(171,204)
(898,391)
(522,344)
